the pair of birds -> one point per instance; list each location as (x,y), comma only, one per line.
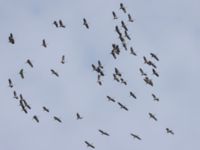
(59,24)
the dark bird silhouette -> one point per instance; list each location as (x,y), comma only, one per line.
(44,43)
(114,15)
(94,67)
(155,98)
(169,131)
(36,118)
(142,72)
(155,73)
(11,39)
(63,59)
(99,64)
(22,106)
(122,106)
(78,116)
(124,26)
(29,62)
(145,60)
(55,23)
(130,18)
(21,72)
(125,46)
(116,78)
(154,56)
(54,72)
(113,54)
(61,24)
(123,81)
(133,95)
(103,132)
(127,35)
(135,136)
(118,72)
(25,104)
(57,119)
(152,116)
(132,51)
(15,95)
(118,31)
(110,99)
(148,81)
(122,7)
(99,82)
(45,109)
(10,83)
(151,64)
(122,40)
(89,144)
(85,23)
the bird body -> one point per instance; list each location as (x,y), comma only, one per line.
(57,119)
(85,23)
(36,118)
(103,132)
(135,136)
(11,39)
(89,144)
(54,72)
(152,116)
(29,62)
(122,106)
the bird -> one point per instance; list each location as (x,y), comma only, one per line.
(89,144)
(85,23)
(45,109)
(78,117)
(152,116)
(154,56)
(148,81)
(36,118)
(54,72)
(94,67)
(11,39)
(10,83)
(21,72)
(124,26)
(28,61)
(123,81)
(155,97)
(113,54)
(151,64)
(57,119)
(114,15)
(100,65)
(63,59)
(142,72)
(130,18)
(154,72)
(118,31)
(116,78)
(133,95)
(99,82)
(122,106)
(169,131)
(132,51)
(15,95)
(104,133)
(110,99)
(118,72)
(44,43)
(22,106)
(25,103)
(61,24)
(55,23)
(145,60)
(127,35)
(135,136)
(122,7)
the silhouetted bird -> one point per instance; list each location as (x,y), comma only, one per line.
(122,106)
(85,23)
(145,60)
(135,136)
(125,46)
(113,54)
(155,73)
(55,23)
(142,72)
(123,81)
(57,119)
(148,81)
(63,59)
(10,83)
(78,116)
(21,72)
(114,15)
(15,95)
(89,144)
(45,109)
(154,56)
(152,116)
(154,97)
(103,132)
(110,99)
(24,102)
(169,131)
(118,72)
(54,72)
(122,7)
(118,31)
(29,62)
(36,118)
(99,82)
(44,43)
(100,65)
(124,26)
(116,78)
(11,39)
(130,18)
(132,51)
(133,95)
(127,35)
(61,24)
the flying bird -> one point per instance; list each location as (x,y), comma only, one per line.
(11,39)
(122,106)
(114,15)
(89,144)
(154,72)
(55,23)
(142,72)
(133,95)
(63,59)
(135,136)
(61,24)
(124,26)
(29,62)
(122,7)
(152,116)
(78,116)
(148,81)
(118,72)
(116,78)
(110,99)
(123,81)
(45,109)
(85,23)
(21,72)
(155,98)
(169,131)
(54,72)
(118,31)
(132,51)
(10,83)
(36,118)
(15,95)
(154,56)
(44,43)
(104,133)
(57,119)
(100,65)
(130,18)
(127,35)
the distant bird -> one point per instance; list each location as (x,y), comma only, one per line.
(155,98)
(29,62)
(89,144)
(122,7)
(22,106)
(110,99)
(142,72)
(36,118)
(45,109)
(25,103)
(125,46)
(78,117)
(169,131)
(132,51)
(155,73)
(145,60)
(11,39)
(124,26)
(54,72)
(118,31)
(127,35)
(122,106)
(152,116)
(63,59)
(135,136)
(154,56)
(61,24)
(44,44)
(57,119)
(133,95)
(103,132)
(55,23)
(114,15)
(94,67)
(10,83)
(99,82)
(123,81)
(118,72)
(116,78)
(85,23)
(151,64)
(113,54)
(15,95)
(100,65)
(130,18)
(21,72)
(148,81)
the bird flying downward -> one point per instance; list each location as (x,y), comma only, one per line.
(118,72)
(21,72)
(61,24)
(155,72)
(155,98)
(154,56)
(152,116)
(122,7)
(85,23)
(45,109)
(11,39)
(135,136)
(110,99)
(36,118)
(169,131)
(78,117)
(63,59)
(132,51)
(15,95)
(130,18)
(89,144)
(57,119)
(44,43)
(122,106)
(127,35)
(103,132)
(54,72)
(124,26)
(10,83)
(114,15)
(100,65)
(55,23)
(29,62)
(142,72)
(133,95)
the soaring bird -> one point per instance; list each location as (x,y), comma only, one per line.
(10,83)
(151,64)
(113,54)
(11,39)
(55,23)
(57,119)
(132,51)
(99,82)
(63,59)
(135,136)
(152,116)
(124,26)
(142,72)
(110,99)
(155,98)
(122,106)
(99,64)
(118,72)
(94,67)
(78,116)
(148,81)
(169,131)
(130,18)
(123,81)
(116,78)
(104,133)
(44,44)
(28,61)
(145,60)
(114,15)
(85,23)
(122,7)
(15,95)
(61,24)
(54,72)
(154,56)
(25,103)
(155,72)
(89,144)
(22,106)
(21,72)
(118,31)
(45,109)
(133,95)
(36,118)
(127,35)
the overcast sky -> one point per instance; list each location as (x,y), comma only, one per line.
(170,29)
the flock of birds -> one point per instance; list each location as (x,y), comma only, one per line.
(123,35)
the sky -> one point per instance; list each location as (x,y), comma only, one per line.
(170,29)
